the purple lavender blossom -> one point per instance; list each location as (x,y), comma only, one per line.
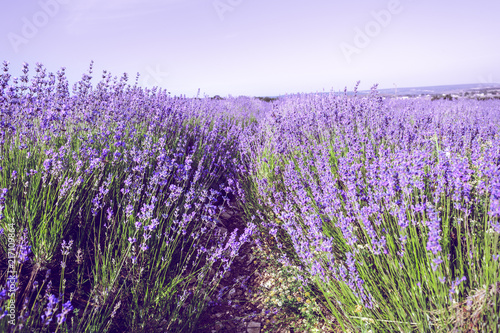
(49,310)
(434,232)
(436,262)
(24,249)
(66,309)
(455,284)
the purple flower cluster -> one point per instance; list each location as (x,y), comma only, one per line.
(66,309)
(50,309)
(3,194)
(455,284)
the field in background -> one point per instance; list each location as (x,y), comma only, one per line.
(382,214)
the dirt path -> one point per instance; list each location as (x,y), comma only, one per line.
(239,303)
(231,308)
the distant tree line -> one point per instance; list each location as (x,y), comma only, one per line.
(449,97)
(265,99)
(268,99)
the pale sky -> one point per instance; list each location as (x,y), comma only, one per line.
(258,48)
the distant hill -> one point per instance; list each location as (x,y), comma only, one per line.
(454,89)
(439,90)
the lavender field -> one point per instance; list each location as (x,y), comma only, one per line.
(385,212)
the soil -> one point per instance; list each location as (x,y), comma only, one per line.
(233,307)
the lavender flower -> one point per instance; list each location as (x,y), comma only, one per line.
(66,309)
(434,232)
(66,247)
(455,284)
(3,194)
(24,249)
(49,310)
(436,262)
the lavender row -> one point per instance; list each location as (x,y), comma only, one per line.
(384,202)
(110,202)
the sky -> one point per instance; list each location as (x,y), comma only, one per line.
(258,47)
